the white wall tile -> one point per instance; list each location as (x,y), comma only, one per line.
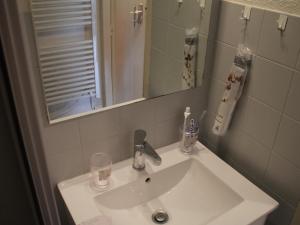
(293,107)
(233,30)
(223,60)
(269,82)
(284,179)
(282,47)
(288,140)
(258,120)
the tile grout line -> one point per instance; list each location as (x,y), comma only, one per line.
(279,125)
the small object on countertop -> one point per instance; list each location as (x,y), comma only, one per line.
(190,133)
(187,113)
(100,168)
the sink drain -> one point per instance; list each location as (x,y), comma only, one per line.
(160,217)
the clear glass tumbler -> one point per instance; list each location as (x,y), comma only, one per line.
(100,166)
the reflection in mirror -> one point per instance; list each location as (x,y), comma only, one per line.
(94,54)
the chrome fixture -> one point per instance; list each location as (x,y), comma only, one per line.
(141,147)
(138,14)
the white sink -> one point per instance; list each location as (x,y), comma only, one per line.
(194,190)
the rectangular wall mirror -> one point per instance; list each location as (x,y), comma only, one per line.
(94,54)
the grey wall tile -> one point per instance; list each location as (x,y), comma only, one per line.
(65,165)
(185,16)
(288,140)
(62,137)
(248,153)
(292,106)
(171,106)
(258,120)
(216,92)
(205,18)
(138,116)
(283,214)
(269,82)
(167,132)
(119,148)
(224,57)
(282,47)
(159,66)
(201,54)
(207,136)
(160,9)
(159,34)
(99,126)
(284,179)
(175,42)
(298,64)
(233,30)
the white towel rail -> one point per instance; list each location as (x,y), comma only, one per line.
(60,8)
(64,14)
(69,70)
(62,20)
(42,3)
(57,82)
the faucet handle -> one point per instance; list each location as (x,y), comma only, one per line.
(139,137)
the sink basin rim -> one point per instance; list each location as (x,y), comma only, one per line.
(255,205)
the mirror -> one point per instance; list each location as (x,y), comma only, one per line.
(95,54)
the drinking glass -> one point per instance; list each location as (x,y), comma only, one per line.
(100,166)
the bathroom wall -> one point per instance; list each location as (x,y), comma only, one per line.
(264,138)
(169,22)
(288,6)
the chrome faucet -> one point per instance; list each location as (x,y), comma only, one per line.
(141,147)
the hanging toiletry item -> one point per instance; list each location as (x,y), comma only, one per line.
(190,54)
(233,90)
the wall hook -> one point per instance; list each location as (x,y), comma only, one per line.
(202,4)
(246,13)
(282,22)
(180,2)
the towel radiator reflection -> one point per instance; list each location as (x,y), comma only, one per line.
(66,38)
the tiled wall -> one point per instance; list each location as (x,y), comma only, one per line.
(69,145)
(264,138)
(290,6)
(169,21)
